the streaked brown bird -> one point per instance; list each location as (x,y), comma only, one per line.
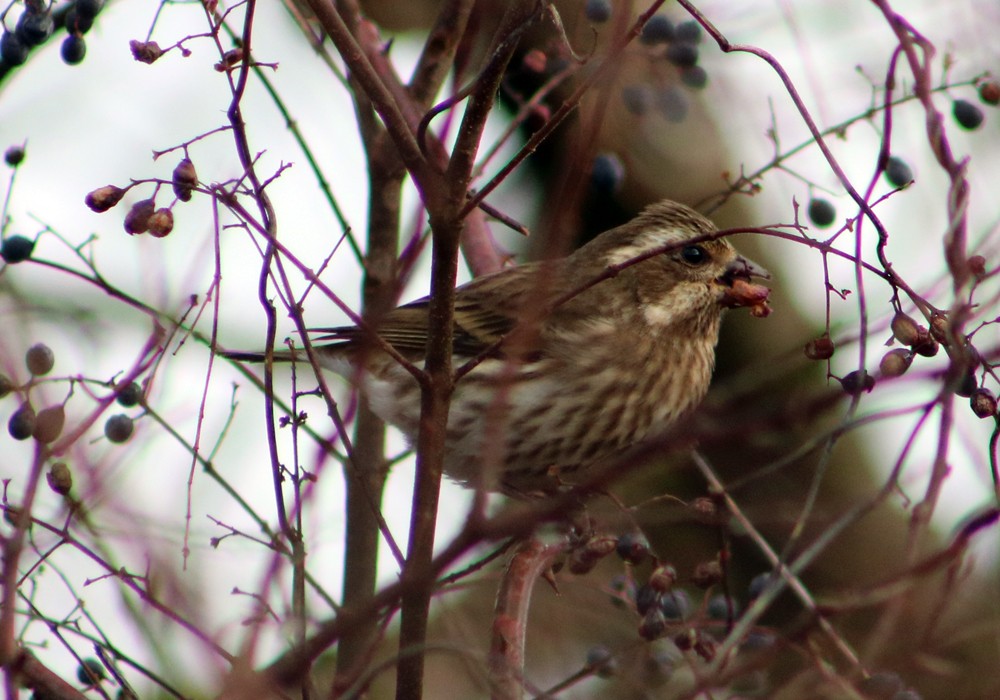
(578,358)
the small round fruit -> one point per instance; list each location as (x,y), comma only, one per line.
(653,625)
(657,30)
(161,223)
(22,422)
(682,54)
(60,478)
(597,11)
(967,387)
(821,348)
(676,605)
(33,28)
(897,172)
(672,104)
(977,266)
(74,49)
(185,179)
(90,672)
(607,173)
(989,92)
(39,359)
(6,385)
(905,329)
(118,428)
(689,31)
(895,362)
(968,115)
(49,424)
(983,403)
(12,49)
(694,77)
(638,99)
(601,661)
(103,198)
(821,212)
(633,547)
(857,381)
(15,249)
(137,219)
(14,156)
(130,395)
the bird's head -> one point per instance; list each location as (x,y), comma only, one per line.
(681,272)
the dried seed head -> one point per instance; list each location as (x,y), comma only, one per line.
(145,51)
(137,219)
(103,198)
(707,574)
(820,348)
(983,403)
(925,345)
(895,362)
(60,478)
(905,329)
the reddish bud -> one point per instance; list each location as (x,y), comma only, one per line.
(137,219)
(820,348)
(103,198)
(989,92)
(895,362)
(983,403)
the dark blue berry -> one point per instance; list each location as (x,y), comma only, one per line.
(15,249)
(12,50)
(77,23)
(34,27)
(607,173)
(14,156)
(968,115)
(689,31)
(646,599)
(821,212)
(676,604)
(694,77)
(682,54)
(757,585)
(130,395)
(673,105)
(89,8)
(638,99)
(897,172)
(657,30)
(597,11)
(74,48)
(719,607)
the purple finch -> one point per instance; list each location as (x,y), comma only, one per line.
(572,360)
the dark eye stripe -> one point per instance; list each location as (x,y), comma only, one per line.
(694,255)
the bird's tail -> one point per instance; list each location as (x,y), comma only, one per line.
(279,356)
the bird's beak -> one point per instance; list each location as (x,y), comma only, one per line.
(738,290)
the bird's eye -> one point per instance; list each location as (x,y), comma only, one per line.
(694,255)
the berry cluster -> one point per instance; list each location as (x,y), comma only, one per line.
(38,22)
(897,171)
(143,216)
(46,425)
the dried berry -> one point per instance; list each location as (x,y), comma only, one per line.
(597,11)
(653,625)
(925,344)
(130,395)
(989,92)
(633,547)
(89,8)
(895,362)
(21,423)
(977,266)
(721,607)
(90,672)
(676,605)
(145,51)
(161,223)
(983,402)
(60,478)
(49,424)
(33,28)
(821,348)
(77,23)
(73,49)
(897,172)
(646,599)
(940,328)
(6,385)
(663,578)
(968,115)
(15,249)
(137,219)
(967,387)
(857,381)
(689,31)
(103,198)
(39,359)
(905,329)
(707,574)
(185,179)
(118,428)
(821,212)
(657,30)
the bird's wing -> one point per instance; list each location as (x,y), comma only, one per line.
(486,309)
